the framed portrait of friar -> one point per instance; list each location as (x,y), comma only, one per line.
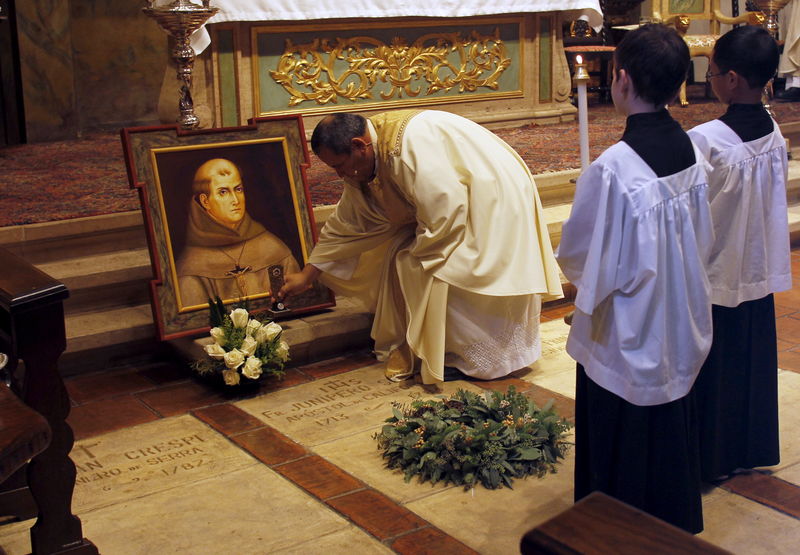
(227,214)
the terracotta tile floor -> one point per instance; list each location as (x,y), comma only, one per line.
(787,314)
(123,400)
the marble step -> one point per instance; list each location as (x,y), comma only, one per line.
(108,338)
(103,281)
(109,311)
(791,131)
(71,243)
(105,327)
(314,337)
(107,279)
(105,338)
(793,183)
(75,238)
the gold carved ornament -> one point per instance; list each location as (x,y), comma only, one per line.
(312,66)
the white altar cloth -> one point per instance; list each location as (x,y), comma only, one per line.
(299,10)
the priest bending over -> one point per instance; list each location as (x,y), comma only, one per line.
(441,233)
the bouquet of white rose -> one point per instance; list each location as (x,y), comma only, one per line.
(245,349)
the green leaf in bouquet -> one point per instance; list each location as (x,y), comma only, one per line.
(217,312)
(528,454)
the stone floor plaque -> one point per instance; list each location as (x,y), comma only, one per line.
(789,422)
(359,456)
(148,458)
(252,511)
(501,516)
(339,406)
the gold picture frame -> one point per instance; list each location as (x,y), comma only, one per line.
(227,213)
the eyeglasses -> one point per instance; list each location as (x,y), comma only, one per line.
(709,75)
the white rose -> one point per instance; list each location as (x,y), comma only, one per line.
(234,359)
(214,351)
(261,335)
(239,317)
(219,335)
(252,326)
(231,377)
(273,330)
(252,368)
(248,346)
(283,351)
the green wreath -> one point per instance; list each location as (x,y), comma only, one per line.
(468,438)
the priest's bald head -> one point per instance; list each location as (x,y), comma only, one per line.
(342,141)
(218,189)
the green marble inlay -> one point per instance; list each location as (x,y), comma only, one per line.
(227,77)
(273,96)
(545,60)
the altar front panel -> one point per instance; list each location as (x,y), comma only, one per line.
(317,69)
(501,69)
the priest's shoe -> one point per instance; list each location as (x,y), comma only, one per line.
(792,94)
(399,365)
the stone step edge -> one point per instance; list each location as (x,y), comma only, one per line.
(553,183)
(345,325)
(100,329)
(555,215)
(103,269)
(311,337)
(62,229)
(555,188)
(128,324)
(312,333)
(84,272)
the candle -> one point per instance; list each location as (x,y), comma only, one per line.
(581,78)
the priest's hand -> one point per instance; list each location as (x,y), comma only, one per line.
(298,282)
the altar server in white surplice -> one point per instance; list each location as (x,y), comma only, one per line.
(737,390)
(441,232)
(635,246)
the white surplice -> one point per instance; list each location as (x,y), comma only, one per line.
(747,190)
(448,247)
(635,246)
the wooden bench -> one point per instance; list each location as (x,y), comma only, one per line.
(32,330)
(600,524)
(24,433)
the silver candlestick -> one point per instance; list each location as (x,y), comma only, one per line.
(771,9)
(180,19)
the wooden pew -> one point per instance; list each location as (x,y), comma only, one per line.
(599,524)
(32,329)
(24,433)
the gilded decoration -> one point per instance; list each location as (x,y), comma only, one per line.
(701,41)
(325,70)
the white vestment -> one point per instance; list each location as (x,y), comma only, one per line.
(747,189)
(448,246)
(635,246)
(789,64)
